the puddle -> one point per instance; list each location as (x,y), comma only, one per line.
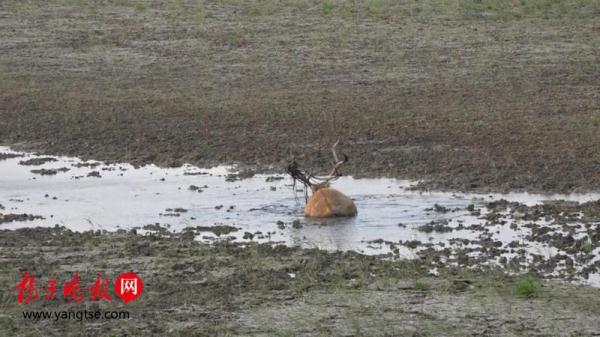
(92,195)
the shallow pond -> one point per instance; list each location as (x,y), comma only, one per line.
(92,195)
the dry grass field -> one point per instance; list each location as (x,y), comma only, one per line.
(471,94)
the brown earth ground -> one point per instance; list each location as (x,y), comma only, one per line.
(192,289)
(472,94)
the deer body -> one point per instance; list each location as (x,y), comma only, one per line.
(328,202)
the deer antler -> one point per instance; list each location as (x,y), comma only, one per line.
(316,182)
(324,180)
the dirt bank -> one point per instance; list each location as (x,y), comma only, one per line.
(471,94)
(200,290)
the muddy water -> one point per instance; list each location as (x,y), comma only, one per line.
(92,195)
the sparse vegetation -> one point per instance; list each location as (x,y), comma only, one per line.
(437,85)
(528,287)
(326,7)
(419,286)
(264,290)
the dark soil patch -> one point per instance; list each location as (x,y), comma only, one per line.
(37,161)
(560,210)
(4,156)
(259,290)
(196,188)
(194,173)
(436,226)
(474,96)
(6,218)
(87,164)
(218,230)
(244,174)
(49,172)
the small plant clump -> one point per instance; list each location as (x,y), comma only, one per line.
(528,287)
(419,286)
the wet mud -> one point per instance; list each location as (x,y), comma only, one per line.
(469,96)
(11,217)
(37,161)
(191,288)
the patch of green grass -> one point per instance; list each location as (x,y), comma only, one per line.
(420,286)
(545,9)
(140,7)
(286,334)
(528,287)
(499,10)
(261,8)
(587,246)
(595,119)
(326,8)
(580,334)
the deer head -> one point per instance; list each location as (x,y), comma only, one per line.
(324,201)
(317,182)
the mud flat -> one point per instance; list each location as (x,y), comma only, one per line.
(472,95)
(264,290)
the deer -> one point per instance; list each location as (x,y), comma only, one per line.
(325,201)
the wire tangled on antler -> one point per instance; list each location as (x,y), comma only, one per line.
(313,181)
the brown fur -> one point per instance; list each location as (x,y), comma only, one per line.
(328,202)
